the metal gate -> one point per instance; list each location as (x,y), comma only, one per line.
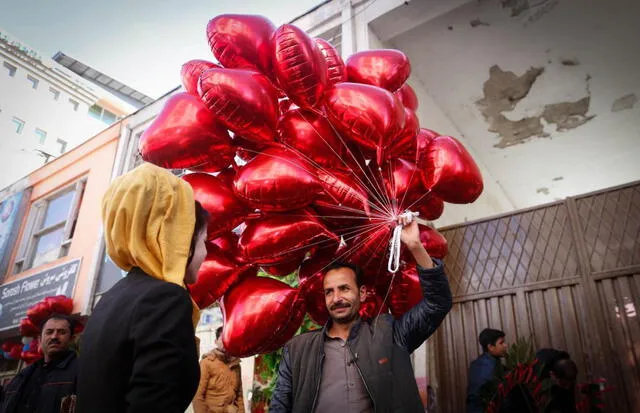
(567,274)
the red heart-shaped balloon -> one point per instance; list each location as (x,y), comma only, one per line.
(385,68)
(406,291)
(449,171)
(285,268)
(225,209)
(38,312)
(404,144)
(299,66)
(28,328)
(190,74)
(429,207)
(279,238)
(372,305)
(345,203)
(58,304)
(242,41)
(260,315)
(243,100)
(368,249)
(228,243)
(404,183)
(311,276)
(276,180)
(408,97)
(217,273)
(336,71)
(184,135)
(368,115)
(314,139)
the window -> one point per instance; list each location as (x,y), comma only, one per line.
(104,115)
(34,81)
(74,104)
(54,93)
(10,68)
(50,228)
(63,145)
(41,135)
(19,124)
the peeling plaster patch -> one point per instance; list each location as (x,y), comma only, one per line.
(558,178)
(568,115)
(570,62)
(502,92)
(543,190)
(478,22)
(625,102)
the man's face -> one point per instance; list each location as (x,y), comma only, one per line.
(341,295)
(499,349)
(56,337)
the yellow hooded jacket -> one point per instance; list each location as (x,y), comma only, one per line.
(149,219)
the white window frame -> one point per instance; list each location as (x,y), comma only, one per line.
(19,124)
(34,81)
(12,69)
(74,104)
(63,145)
(34,230)
(54,92)
(41,135)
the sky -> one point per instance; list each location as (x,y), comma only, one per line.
(142,43)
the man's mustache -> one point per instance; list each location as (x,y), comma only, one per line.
(340,305)
(54,341)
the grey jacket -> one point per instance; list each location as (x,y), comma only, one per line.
(380,348)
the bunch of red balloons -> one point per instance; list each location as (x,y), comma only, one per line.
(302,159)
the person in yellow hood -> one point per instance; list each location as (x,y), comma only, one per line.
(138,351)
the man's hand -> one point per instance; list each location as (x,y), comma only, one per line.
(410,236)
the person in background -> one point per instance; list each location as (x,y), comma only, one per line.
(484,368)
(139,346)
(220,389)
(47,384)
(558,366)
(353,365)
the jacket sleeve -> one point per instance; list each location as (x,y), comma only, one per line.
(199,404)
(163,344)
(480,372)
(281,398)
(417,324)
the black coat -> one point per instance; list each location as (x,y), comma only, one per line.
(59,381)
(139,350)
(383,358)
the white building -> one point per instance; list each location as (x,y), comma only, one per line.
(47,109)
(567,69)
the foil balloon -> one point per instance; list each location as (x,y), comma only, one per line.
(406,291)
(285,268)
(28,328)
(260,315)
(449,171)
(190,74)
(243,100)
(276,180)
(226,176)
(59,304)
(367,115)
(284,105)
(38,312)
(404,144)
(242,41)
(429,207)
(228,243)
(217,273)
(372,305)
(311,276)
(224,208)
(404,183)
(344,202)
(424,138)
(185,134)
(14,352)
(247,149)
(279,238)
(313,137)
(299,66)
(408,97)
(385,68)
(369,248)
(336,70)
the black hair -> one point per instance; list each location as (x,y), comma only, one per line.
(550,358)
(565,369)
(353,267)
(202,219)
(489,336)
(218,332)
(72,322)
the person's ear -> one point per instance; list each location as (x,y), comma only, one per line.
(363,293)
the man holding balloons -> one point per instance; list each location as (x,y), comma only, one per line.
(353,365)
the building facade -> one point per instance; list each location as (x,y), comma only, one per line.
(49,107)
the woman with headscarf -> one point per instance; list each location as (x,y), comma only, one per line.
(138,352)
